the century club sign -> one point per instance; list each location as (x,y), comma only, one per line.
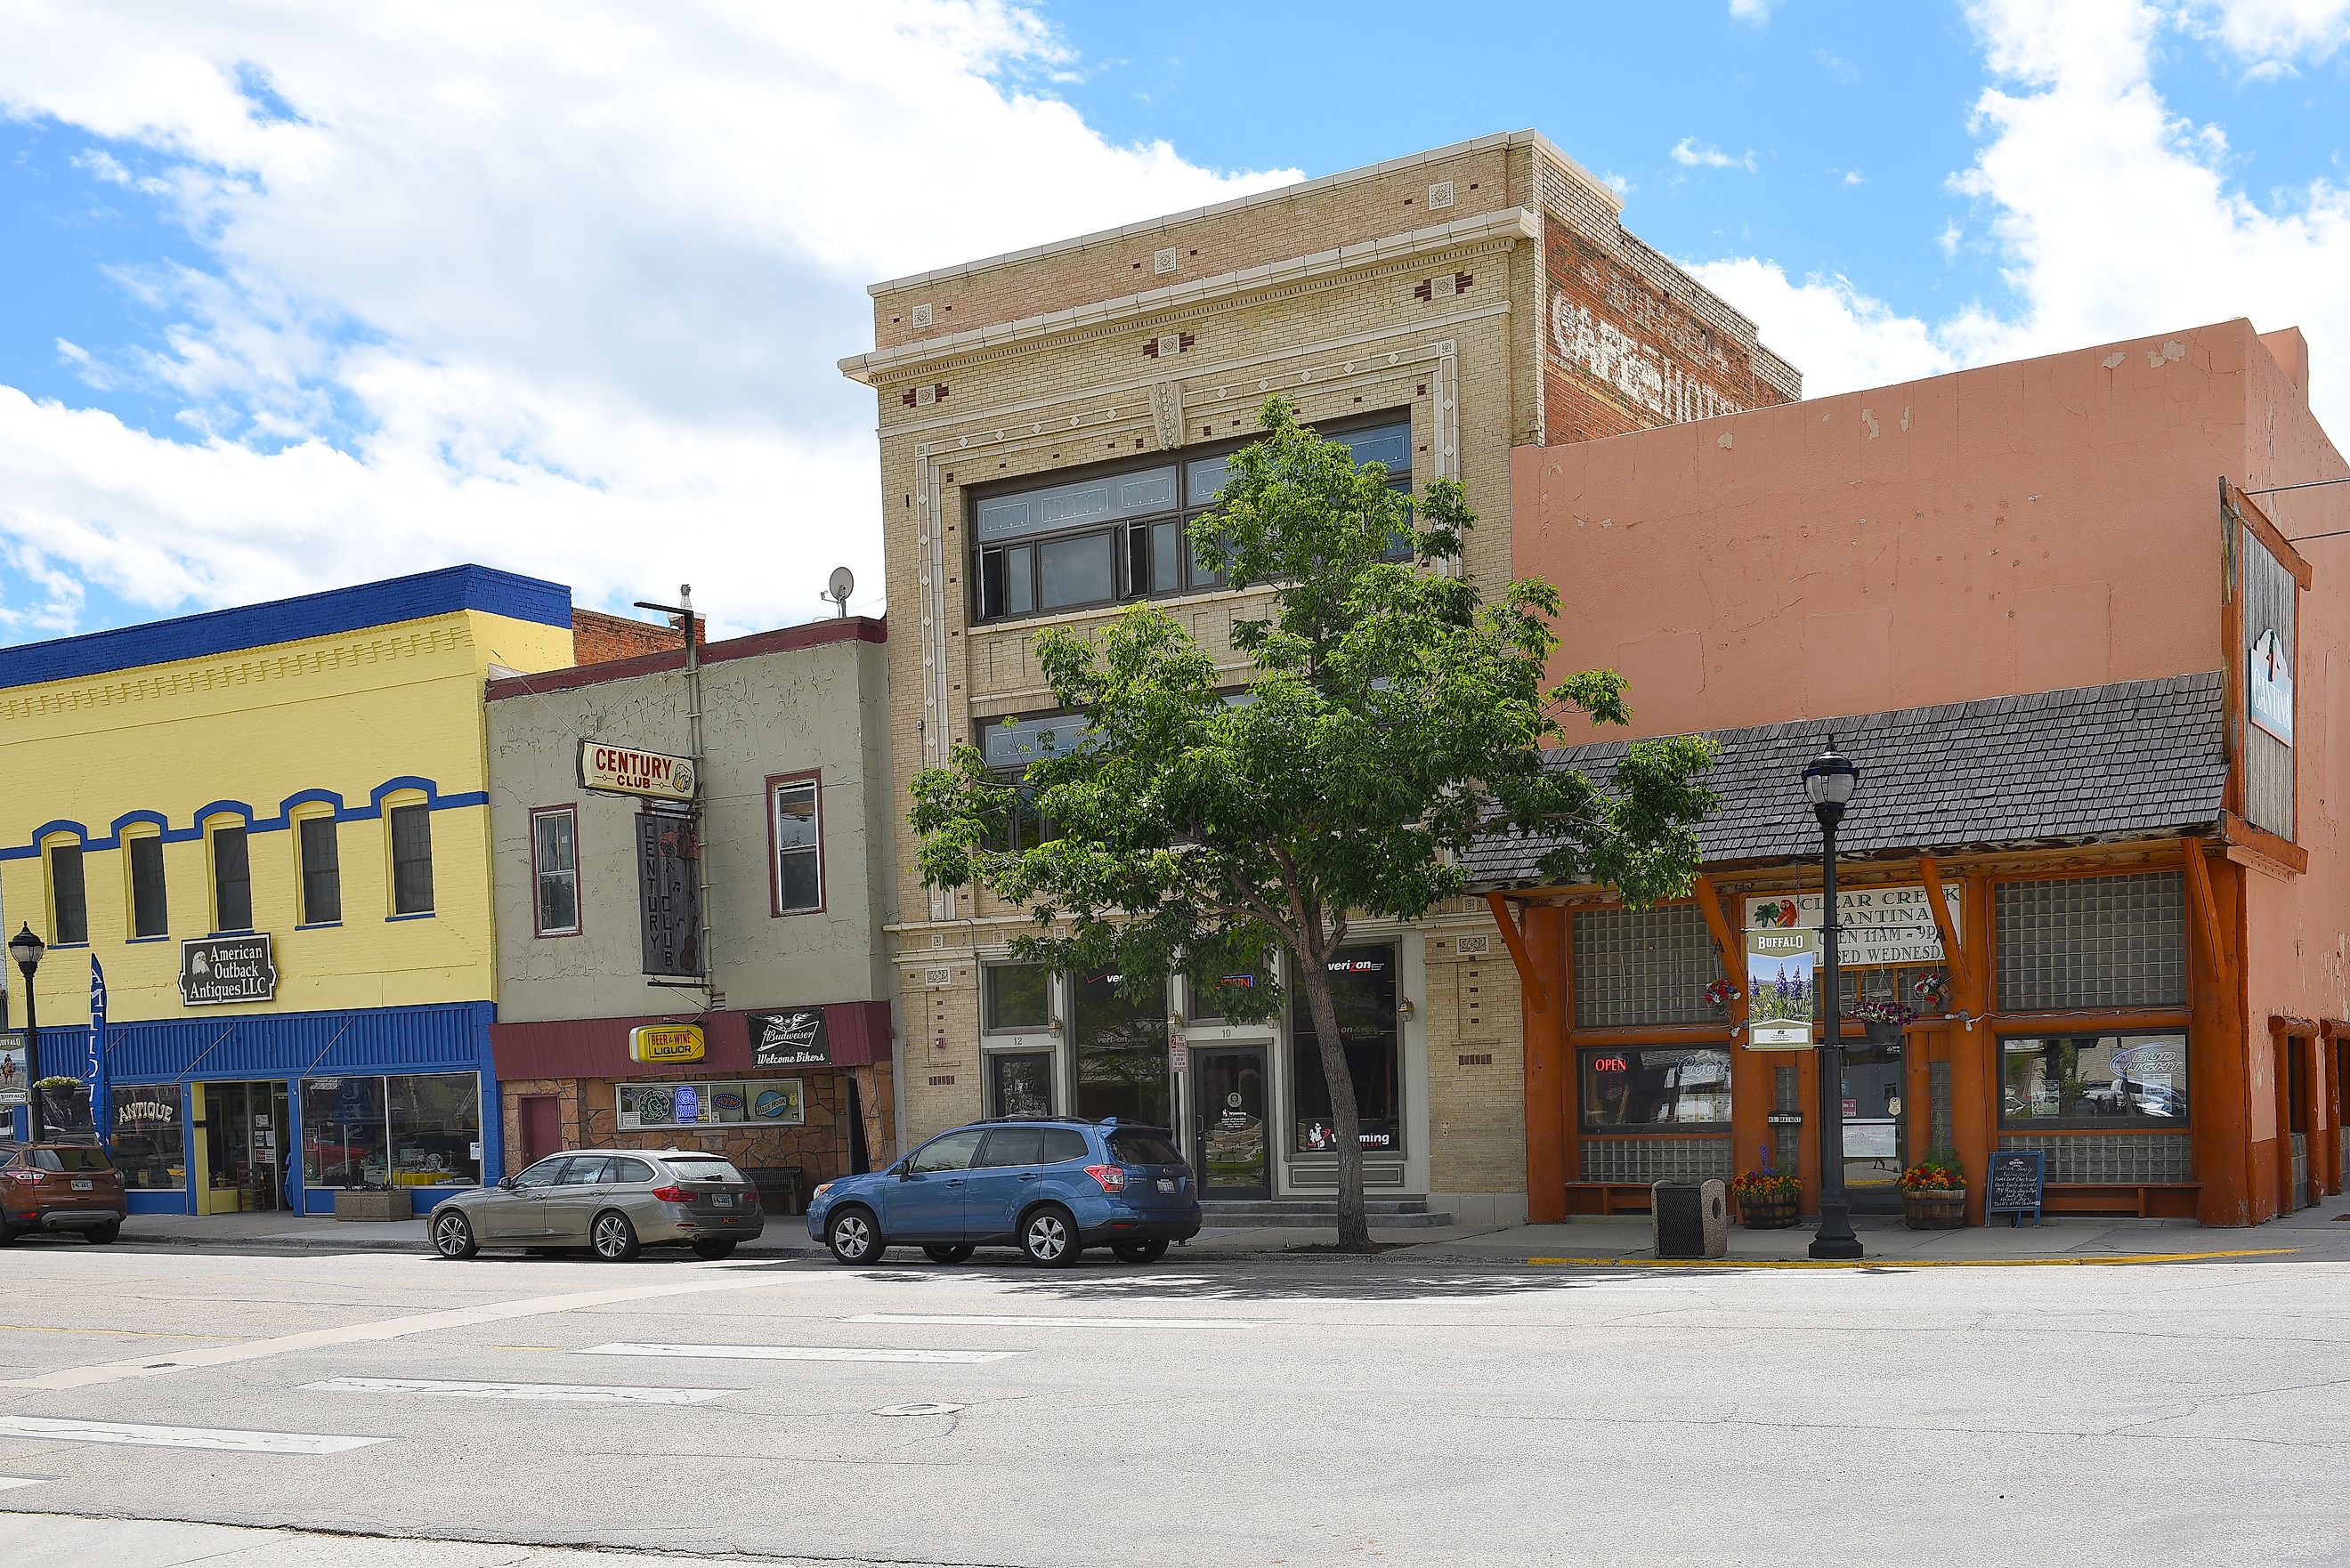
(625,769)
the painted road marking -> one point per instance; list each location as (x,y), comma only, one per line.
(801,1353)
(1906,1263)
(966,1320)
(580,1393)
(161,1363)
(10,1483)
(218,1437)
(115,1333)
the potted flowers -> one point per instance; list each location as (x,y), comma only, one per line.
(1934,1193)
(1883,1019)
(1767,1199)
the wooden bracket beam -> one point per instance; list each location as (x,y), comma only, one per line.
(1733,955)
(1515,939)
(1961,966)
(2206,916)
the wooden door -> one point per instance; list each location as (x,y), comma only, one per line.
(542,1129)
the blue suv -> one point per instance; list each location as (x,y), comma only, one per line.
(1051,1185)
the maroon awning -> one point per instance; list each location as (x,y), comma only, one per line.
(858,1033)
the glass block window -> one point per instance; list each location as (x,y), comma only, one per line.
(2093,941)
(1643,966)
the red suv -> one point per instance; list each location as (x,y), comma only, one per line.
(59,1187)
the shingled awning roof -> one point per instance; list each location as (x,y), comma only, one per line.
(2136,759)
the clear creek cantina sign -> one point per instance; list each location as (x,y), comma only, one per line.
(1879,925)
(624,770)
(217,970)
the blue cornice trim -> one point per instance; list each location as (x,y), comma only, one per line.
(281,823)
(331,613)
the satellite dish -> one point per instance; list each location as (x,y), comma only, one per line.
(842,584)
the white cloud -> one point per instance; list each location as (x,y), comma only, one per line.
(1755,11)
(1617,183)
(556,286)
(1690,154)
(2112,217)
(1853,176)
(2274,30)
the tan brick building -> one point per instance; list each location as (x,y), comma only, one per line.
(1049,419)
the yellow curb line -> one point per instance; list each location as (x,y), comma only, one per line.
(1904,1262)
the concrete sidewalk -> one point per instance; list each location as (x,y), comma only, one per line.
(2313,1235)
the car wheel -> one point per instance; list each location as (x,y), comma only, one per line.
(1049,1236)
(713,1249)
(1140,1251)
(452,1234)
(855,1236)
(613,1238)
(947,1254)
(104,1235)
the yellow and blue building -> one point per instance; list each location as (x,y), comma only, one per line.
(269,829)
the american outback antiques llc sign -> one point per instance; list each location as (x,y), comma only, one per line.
(218,971)
(625,769)
(1880,925)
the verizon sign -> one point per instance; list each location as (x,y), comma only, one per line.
(624,770)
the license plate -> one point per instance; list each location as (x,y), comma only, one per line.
(723,1200)
(1166,1184)
(83,1185)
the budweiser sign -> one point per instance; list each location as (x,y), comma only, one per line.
(624,770)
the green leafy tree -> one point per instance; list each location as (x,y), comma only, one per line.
(1391,717)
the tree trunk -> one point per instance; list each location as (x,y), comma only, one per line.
(1346,1122)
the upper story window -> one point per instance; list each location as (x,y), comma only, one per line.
(322,871)
(1119,535)
(555,870)
(1008,749)
(411,859)
(232,880)
(150,914)
(68,899)
(795,812)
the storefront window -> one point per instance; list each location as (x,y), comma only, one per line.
(344,1141)
(2093,1080)
(436,1128)
(1210,995)
(1363,990)
(150,1138)
(1641,1089)
(1019,996)
(753,1102)
(1020,1083)
(1121,1054)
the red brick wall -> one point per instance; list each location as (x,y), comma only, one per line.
(1620,354)
(599,638)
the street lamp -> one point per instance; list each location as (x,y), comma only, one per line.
(27,950)
(1829,781)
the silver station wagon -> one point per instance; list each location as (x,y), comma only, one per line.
(614,1202)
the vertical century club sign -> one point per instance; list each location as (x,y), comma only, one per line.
(669,849)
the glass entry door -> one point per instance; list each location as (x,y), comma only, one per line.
(1230,1131)
(1874,1142)
(241,1146)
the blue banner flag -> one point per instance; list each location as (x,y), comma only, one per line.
(102,1096)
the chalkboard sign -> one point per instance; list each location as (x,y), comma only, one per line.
(2017,1176)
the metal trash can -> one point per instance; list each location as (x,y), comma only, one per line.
(1690,1219)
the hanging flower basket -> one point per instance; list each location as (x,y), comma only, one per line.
(1883,1021)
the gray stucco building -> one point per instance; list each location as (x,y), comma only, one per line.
(791,1071)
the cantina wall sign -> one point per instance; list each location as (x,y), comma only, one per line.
(624,770)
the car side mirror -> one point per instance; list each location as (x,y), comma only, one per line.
(903,1170)
(508,1183)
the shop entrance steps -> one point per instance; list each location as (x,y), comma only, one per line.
(1386,1213)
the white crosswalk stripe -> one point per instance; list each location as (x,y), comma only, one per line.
(800,1353)
(1007,1321)
(10,1483)
(572,1393)
(217,1437)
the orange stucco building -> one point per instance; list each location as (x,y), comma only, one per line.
(2090,683)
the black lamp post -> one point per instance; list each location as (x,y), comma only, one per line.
(1830,781)
(27,950)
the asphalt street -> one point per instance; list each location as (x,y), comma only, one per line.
(1245,1412)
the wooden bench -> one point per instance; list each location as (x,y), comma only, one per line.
(2142,1199)
(1606,1198)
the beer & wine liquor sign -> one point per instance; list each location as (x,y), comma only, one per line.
(216,972)
(624,770)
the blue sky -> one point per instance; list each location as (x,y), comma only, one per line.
(299,295)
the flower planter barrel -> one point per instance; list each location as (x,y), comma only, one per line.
(1773,1213)
(1940,1211)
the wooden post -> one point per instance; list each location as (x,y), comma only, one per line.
(1974,1050)
(1539,952)
(2220,1066)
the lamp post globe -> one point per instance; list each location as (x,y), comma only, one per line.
(1829,781)
(26,948)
